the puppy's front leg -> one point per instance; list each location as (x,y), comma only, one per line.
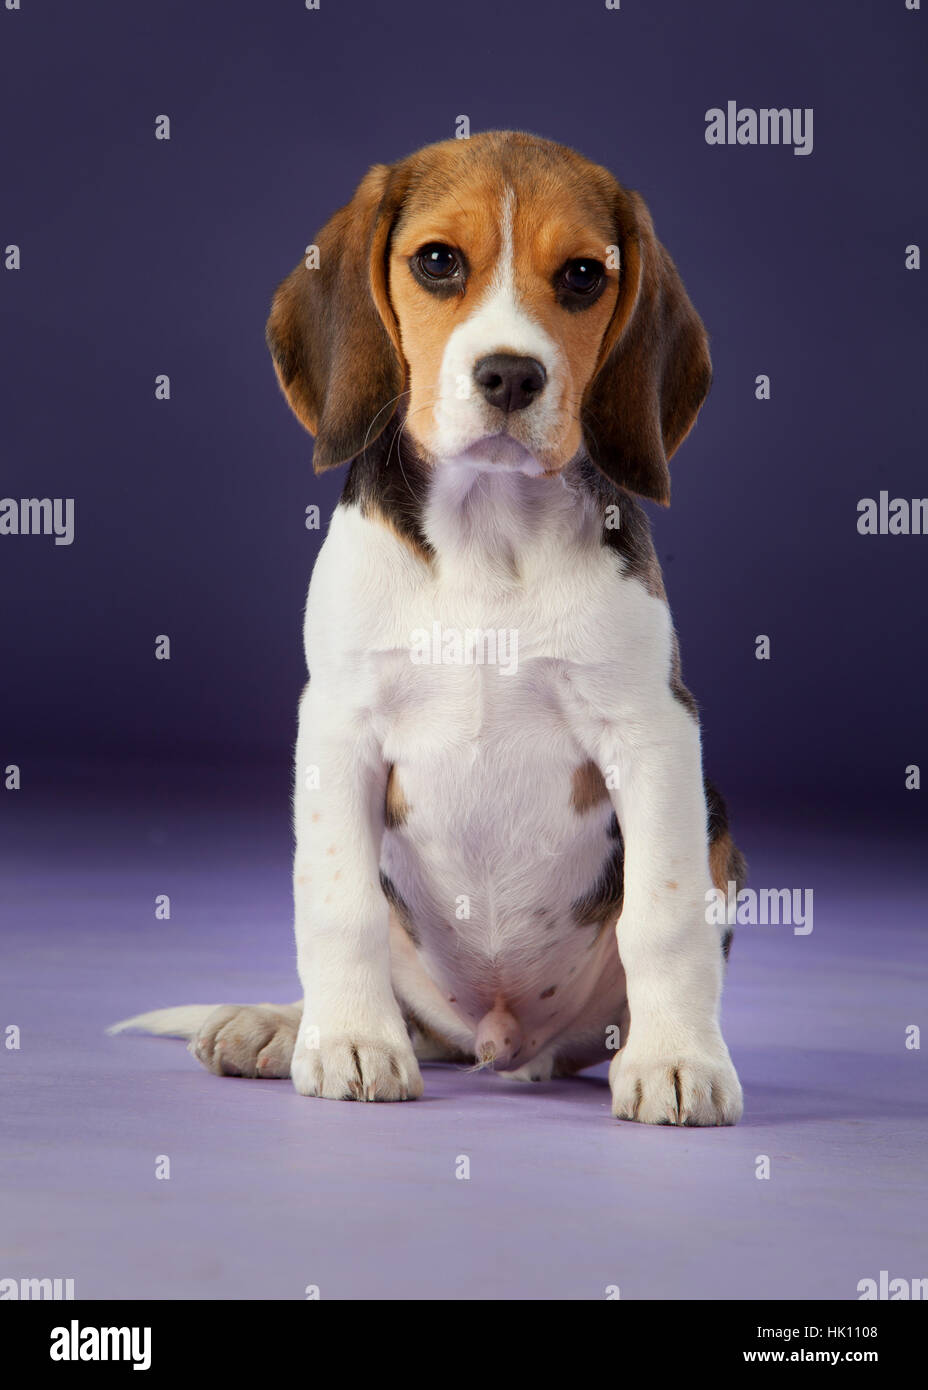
(352,1042)
(675,1067)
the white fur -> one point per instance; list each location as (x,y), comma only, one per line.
(485,760)
(491,856)
(185,1021)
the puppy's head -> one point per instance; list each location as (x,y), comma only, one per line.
(510,301)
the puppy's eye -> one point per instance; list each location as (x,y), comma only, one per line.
(580,281)
(437,261)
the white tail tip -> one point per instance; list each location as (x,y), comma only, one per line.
(183,1022)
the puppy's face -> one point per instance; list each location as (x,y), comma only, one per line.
(498,300)
(503,277)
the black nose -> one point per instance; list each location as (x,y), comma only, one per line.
(509,382)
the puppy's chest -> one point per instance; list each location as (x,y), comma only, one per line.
(496,822)
(486,688)
(468,676)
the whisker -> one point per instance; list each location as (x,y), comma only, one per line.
(379,413)
(398,439)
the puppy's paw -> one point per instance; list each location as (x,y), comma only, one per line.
(693,1087)
(343,1067)
(247,1040)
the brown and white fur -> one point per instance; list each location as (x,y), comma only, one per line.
(506,867)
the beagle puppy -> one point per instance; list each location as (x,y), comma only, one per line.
(500,860)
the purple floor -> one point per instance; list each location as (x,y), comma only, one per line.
(269,1193)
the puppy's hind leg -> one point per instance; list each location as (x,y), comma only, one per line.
(255,1040)
(229,1039)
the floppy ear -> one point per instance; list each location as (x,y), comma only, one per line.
(331,331)
(654,368)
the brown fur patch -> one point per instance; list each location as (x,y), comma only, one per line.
(720,855)
(655,369)
(335,355)
(397,807)
(726,862)
(588,788)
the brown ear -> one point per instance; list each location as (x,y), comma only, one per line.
(654,369)
(331,331)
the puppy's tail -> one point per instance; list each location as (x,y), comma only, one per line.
(183,1022)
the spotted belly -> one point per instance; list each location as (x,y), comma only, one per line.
(508,898)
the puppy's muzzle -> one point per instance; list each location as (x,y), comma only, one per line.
(509,382)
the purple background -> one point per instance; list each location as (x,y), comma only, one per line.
(144,777)
(142,256)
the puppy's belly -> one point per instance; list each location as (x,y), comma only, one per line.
(504,870)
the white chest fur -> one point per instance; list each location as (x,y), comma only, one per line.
(488,680)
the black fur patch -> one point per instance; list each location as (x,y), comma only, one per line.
(605,896)
(627,531)
(604,899)
(718,828)
(400,907)
(389,482)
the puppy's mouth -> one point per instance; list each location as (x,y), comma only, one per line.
(501,450)
(500,447)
